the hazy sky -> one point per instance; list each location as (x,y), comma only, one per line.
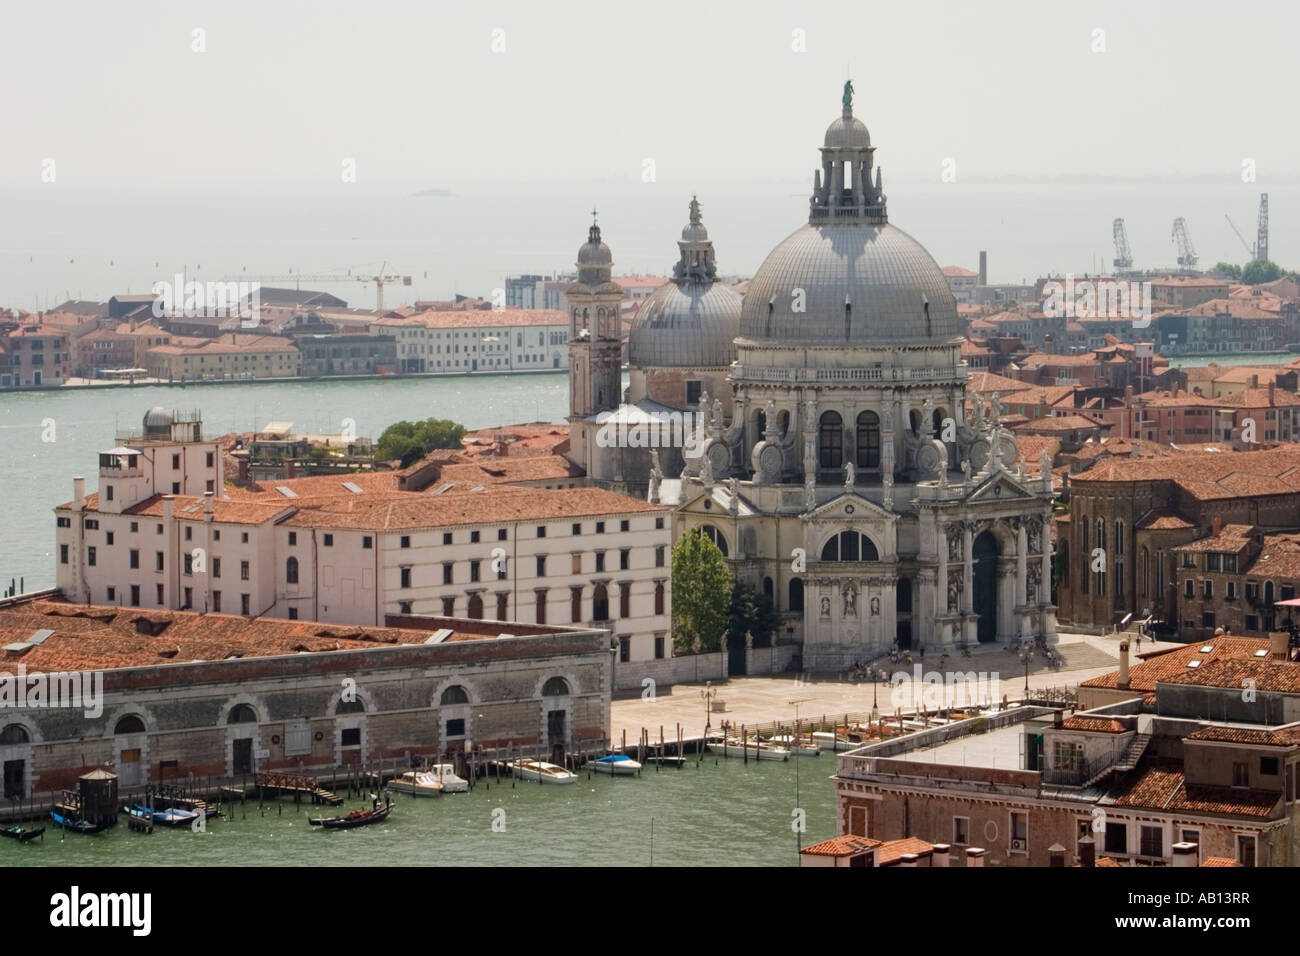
(284,92)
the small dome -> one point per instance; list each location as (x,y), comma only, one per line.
(847,132)
(593,252)
(694,232)
(157,419)
(686,324)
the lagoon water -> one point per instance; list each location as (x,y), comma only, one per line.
(722,812)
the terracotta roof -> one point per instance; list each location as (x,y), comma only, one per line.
(841,846)
(957,272)
(1276,737)
(1062,423)
(497,470)
(104,637)
(1164,665)
(1220,861)
(1162,521)
(1267,675)
(1099,725)
(1160,785)
(1208,476)
(986,383)
(892,850)
(1231,537)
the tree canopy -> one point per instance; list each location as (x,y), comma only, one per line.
(752,613)
(701,594)
(411,441)
(1253,273)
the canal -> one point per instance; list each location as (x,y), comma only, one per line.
(721,812)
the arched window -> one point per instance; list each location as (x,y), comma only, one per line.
(914,421)
(454,695)
(349,707)
(14,734)
(760,422)
(850,546)
(830,440)
(716,536)
(796,594)
(242,714)
(556,687)
(475,611)
(937,420)
(130,724)
(767,586)
(659,598)
(600,603)
(291,571)
(1144,561)
(868,440)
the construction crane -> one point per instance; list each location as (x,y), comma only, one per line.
(1123,258)
(379,280)
(1249,251)
(1261,234)
(1187,257)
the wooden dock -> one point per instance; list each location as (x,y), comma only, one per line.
(294,785)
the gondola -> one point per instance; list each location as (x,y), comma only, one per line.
(77,826)
(171,817)
(357,818)
(21,833)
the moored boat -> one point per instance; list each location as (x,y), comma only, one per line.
(17,832)
(803,747)
(446,774)
(540,769)
(76,825)
(755,749)
(418,783)
(616,765)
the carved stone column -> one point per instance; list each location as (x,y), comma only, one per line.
(1022,559)
(967,573)
(1045,581)
(941,599)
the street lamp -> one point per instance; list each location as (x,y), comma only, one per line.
(875,710)
(708,694)
(1026,654)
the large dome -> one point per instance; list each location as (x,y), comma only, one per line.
(686,325)
(896,293)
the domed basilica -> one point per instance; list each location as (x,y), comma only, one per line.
(833,460)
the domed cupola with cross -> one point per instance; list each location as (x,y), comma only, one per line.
(843,187)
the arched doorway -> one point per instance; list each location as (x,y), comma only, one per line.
(984,586)
(903,613)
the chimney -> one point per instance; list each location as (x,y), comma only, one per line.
(1272,387)
(169,509)
(1087,851)
(1056,855)
(984,268)
(907,859)
(79,491)
(1186,854)
(1128,394)
(1216,525)
(1058,718)
(1122,683)
(207,502)
(942,853)
(1279,646)
(1254,381)
(974,856)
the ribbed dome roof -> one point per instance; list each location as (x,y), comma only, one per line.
(884,274)
(686,324)
(847,132)
(157,419)
(595,254)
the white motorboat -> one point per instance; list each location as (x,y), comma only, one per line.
(616,765)
(418,783)
(445,774)
(803,747)
(540,769)
(826,740)
(755,749)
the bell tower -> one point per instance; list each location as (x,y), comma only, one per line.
(595,344)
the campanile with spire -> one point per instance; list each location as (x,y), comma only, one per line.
(595,343)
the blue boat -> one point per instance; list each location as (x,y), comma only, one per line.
(76,826)
(168,818)
(616,765)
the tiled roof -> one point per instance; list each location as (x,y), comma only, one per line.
(1162,521)
(1062,423)
(501,504)
(1279,557)
(986,383)
(103,637)
(1231,537)
(1210,475)
(957,272)
(1267,675)
(495,470)
(841,846)
(1099,725)
(1160,785)
(1276,737)
(892,850)
(1220,861)
(1165,665)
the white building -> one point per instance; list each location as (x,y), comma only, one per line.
(162,532)
(479,340)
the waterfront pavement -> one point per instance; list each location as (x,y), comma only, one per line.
(756,700)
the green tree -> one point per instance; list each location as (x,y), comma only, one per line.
(1227,270)
(701,594)
(752,613)
(411,441)
(1256,272)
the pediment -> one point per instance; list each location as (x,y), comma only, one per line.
(851,507)
(1001,487)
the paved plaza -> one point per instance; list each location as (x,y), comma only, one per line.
(755,700)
